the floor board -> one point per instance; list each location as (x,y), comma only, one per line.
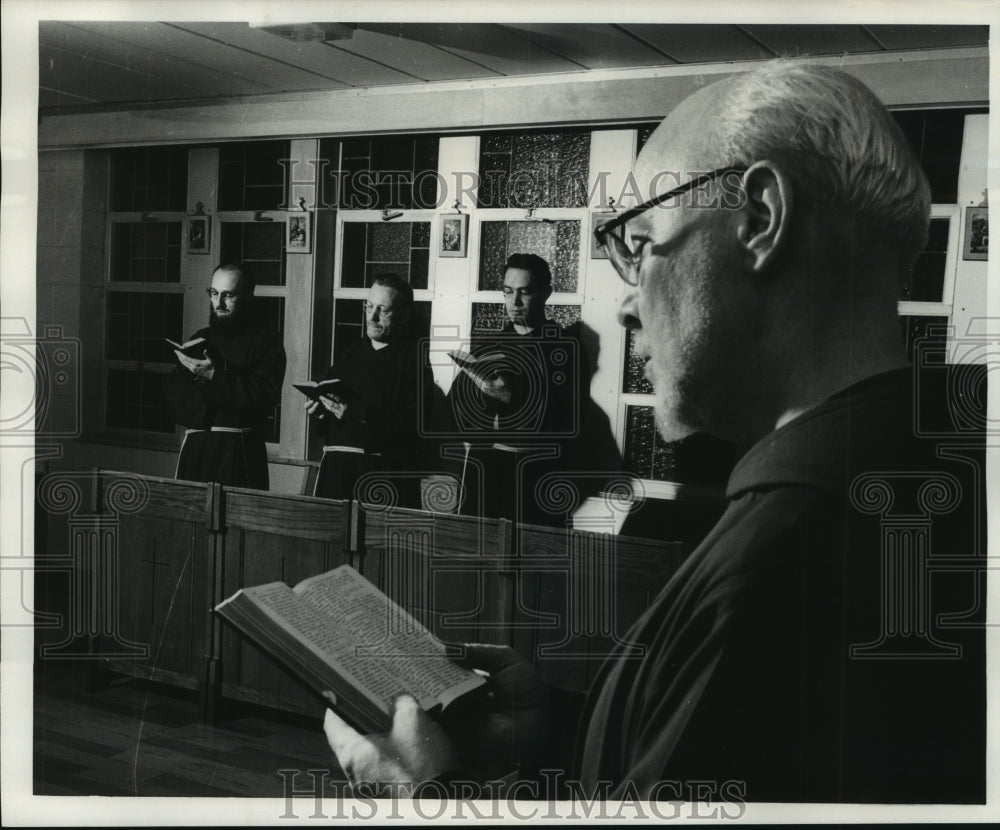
(144,739)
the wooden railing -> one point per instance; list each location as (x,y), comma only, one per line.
(169,551)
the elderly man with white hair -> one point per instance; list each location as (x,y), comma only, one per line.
(806,650)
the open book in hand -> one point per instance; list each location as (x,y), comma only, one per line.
(339,633)
(481,366)
(194,348)
(335,388)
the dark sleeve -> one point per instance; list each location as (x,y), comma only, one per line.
(183,397)
(393,428)
(256,383)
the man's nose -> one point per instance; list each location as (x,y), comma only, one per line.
(518,301)
(628,311)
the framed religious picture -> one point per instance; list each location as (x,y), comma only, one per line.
(454,234)
(198,234)
(597,217)
(977,233)
(297,238)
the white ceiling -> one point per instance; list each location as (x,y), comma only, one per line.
(95,66)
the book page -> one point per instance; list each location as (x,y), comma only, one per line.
(385,635)
(284,605)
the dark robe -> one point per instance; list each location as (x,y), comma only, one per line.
(517,450)
(392,387)
(805,646)
(227,414)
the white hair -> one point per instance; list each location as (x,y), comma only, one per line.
(839,145)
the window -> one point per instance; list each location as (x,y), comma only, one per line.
(365,176)
(523,170)
(149,273)
(144,298)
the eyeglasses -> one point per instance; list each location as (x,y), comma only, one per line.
(227,296)
(623,258)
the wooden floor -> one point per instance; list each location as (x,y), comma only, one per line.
(143,739)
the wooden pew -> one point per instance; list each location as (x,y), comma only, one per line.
(579,593)
(562,597)
(155,538)
(453,573)
(268,537)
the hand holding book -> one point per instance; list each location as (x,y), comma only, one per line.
(487,372)
(507,734)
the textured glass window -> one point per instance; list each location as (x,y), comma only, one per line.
(914,327)
(146,251)
(134,400)
(558,243)
(137,324)
(251,175)
(518,170)
(377,173)
(258,245)
(926,282)
(634,379)
(349,323)
(374,248)
(493,316)
(697,459)
(149,178)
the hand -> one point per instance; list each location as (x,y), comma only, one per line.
(314,410)
(416,750)
(335,405)
(203,369)
(494,384)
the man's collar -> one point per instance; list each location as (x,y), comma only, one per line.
(813,449)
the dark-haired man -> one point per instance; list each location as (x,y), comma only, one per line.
(225,392)
(376,430)
(521,408)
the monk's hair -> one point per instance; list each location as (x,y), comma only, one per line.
(845,154)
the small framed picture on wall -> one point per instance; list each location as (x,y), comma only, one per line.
(454,234)
(598,218)
(297,237)
(198,235)
(977,233)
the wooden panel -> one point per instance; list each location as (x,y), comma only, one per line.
(486,44)
(899,79)
(161,574)
(179,46)
(185,501)
(112,47)
(273,538)
(799,41)
(338,67)
(413,57)
(453,573)
(578,595)
(700,42)
(929,37)
(591,45)
(302,517)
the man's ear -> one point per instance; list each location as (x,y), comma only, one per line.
(767,212)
